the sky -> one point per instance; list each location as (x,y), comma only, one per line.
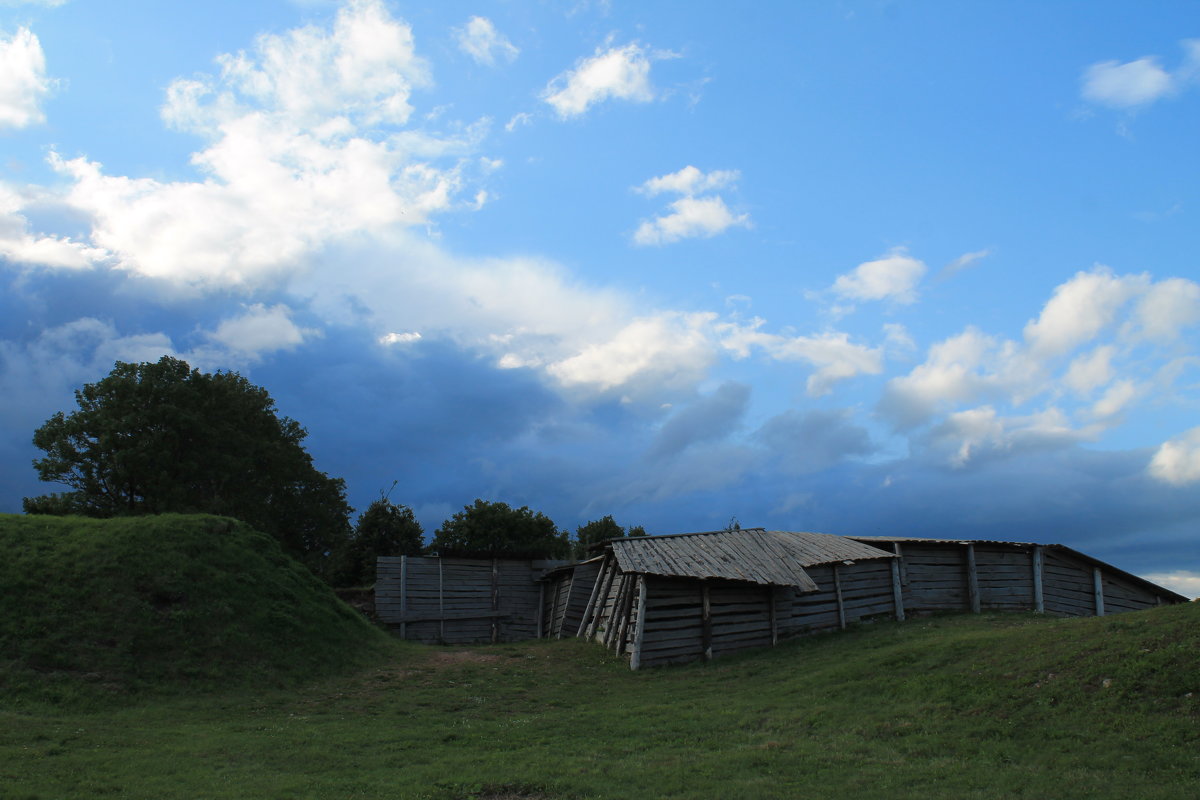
(865,268)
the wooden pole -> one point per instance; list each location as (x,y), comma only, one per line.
(602,599)
(587,611)
(541,607)
(495,599)
(972,580)
(441,604)
(610,626)
(403,595)
(626,613)
(635,658)
(837,590)
(1098,589)
(1039,599)
(771,611)
(705,622)
(897,590)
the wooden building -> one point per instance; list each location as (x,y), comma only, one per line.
(667,599)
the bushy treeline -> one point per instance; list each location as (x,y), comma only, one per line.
(163,437)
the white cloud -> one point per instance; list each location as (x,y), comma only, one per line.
(1080,309)
(1177,462)
(259,330)
(519,120)
(1140,82)
(1182,581)
(964,261)
(690,181)
(1115,399)
(302,151)
(1091,370)
(835,357)
(690,217)
(481,41)
(23,81)
(622,73)
(1133,83)
(20,245)
(672,348)
(1167,308)
(955,371)
(894,277)
(395,337)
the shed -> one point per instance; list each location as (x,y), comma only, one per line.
(663,599)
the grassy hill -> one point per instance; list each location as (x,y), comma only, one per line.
(95,607)
(981,707)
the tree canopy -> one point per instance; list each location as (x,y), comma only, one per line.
(599,530)
(162,437)
(384,529)
(495,529)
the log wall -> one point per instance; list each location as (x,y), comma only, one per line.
(460,600)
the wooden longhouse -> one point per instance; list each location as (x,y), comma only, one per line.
(666,599)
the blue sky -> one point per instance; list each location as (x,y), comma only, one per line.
(923,268)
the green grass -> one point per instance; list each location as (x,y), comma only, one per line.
(993,706)
(96,609)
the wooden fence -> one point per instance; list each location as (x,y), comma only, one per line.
(461,600)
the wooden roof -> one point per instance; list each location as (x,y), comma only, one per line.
(774,558)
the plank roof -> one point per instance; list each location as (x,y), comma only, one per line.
(773,558)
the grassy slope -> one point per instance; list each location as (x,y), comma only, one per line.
(953,707)
(95,608)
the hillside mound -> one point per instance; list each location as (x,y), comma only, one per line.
(173,600)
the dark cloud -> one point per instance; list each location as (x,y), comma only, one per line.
(805,442)
(709,418)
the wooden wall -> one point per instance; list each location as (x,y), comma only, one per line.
(460,600)
(566,597)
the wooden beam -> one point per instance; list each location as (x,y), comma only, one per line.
(598,611)
(774,620)
(837,590)
(897,590)
(626,613)
(403,594)
(705,622)
(972,580)
(437,616)
(635,658)
(495,599)
(591,603)
(1039,597)
(1098,590)
(441,604)
(541,607)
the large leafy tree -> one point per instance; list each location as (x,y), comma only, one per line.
(384,529)
(496,529)
(162,437)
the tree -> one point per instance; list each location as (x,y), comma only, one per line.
(599,530)
(384,529)
(162,437)
(495,529)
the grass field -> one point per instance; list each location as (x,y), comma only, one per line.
(187,657)
(953,707)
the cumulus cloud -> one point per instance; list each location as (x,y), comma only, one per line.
(21,245)
(1131,84)
(1185,582)
(1167,308)
(806,442)
(690,216)
(303,149)
(835,357)
(893,277)
(481,41)
(1177,462)
(23,81)
(1080,309)
(621,73)
(259,330)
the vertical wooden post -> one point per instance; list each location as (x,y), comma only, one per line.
(1098,589)
(1039,599)
(837,590)
(626,614)
(441,605)
(403,595)
(972,580)
(771,611)
(705,622)
(897,590)
(903,565)
(635,658)
(541,607)
(610,627)
(495,599)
